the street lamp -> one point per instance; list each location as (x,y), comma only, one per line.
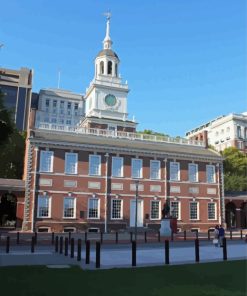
(137,184)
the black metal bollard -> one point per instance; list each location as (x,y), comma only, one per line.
(131,237)
(133,253)
(116,237)
(66,246)
(7,244)
(167,257)
(224,249)
(241,234)
(69,237)
(18,238)
(87,252)
(56,244)
(79,250)
(145,236)
(230,234)
(61,245)
(52,238)
(85,237)
(196,233)
(35,237)
(101,237)
(172,235)
(209,234)
(197,255)
(72,248)
(33,243)
(97,265)
(184,234)
(158,236)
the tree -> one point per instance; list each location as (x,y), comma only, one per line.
(6,123)
(150,132)
(12,145)
(235,170)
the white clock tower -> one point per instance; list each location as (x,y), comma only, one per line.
(106,97)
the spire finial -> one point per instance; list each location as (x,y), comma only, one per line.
(107,41)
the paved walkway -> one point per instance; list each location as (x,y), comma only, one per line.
(116,256)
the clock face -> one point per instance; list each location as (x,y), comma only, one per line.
(110,100)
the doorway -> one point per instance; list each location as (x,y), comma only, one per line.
(231,215)
(139,213)
(8,202)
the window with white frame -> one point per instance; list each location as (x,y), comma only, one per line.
(154,169)
(155,210)
(136,168)
(93,208)
(71,163)
(210,173)
(95,165)
(116,209)
(44,206)
(194,210)
(46,161)
(174,171)
(69,207)
(175,209)
(117,166)
(211,211)
(193,172)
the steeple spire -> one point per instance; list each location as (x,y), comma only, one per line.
(107,43)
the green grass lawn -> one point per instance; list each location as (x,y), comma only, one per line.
(221,279)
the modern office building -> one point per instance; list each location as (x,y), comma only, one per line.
(223,132)
(89,169)
(16,86)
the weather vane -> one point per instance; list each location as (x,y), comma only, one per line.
(107,14)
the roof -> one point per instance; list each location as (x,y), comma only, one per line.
(121,144)
(12,184)
(236,195)
(107,52)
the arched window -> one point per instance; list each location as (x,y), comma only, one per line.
(116,70)
(101,67)
(109,68)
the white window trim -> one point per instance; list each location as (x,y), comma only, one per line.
(42,152)
(178,171)
(194,164)
(116,157)
(179,209)
(207,166)
(67,227)
(155,219)
(49,206)
(121,212)
(141,175)
(90,156)
(74,217)
(215,214)
(76,166)
(151,161)
(198,217)
(93,218)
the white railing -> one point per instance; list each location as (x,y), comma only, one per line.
(117,134)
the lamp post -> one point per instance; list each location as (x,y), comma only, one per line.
(106,189)
(137,185)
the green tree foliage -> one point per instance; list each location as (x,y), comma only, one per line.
(151,132)
(6,124)
(12,145)
(235,170)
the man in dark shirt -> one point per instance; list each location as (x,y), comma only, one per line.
(221,235)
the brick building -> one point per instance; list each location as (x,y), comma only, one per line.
(87,175)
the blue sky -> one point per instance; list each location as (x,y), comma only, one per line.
(184,60)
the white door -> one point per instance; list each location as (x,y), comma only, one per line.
(139,213)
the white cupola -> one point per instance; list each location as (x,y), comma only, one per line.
(107,61)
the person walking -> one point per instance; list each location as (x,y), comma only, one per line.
(221,235)
(216,236)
